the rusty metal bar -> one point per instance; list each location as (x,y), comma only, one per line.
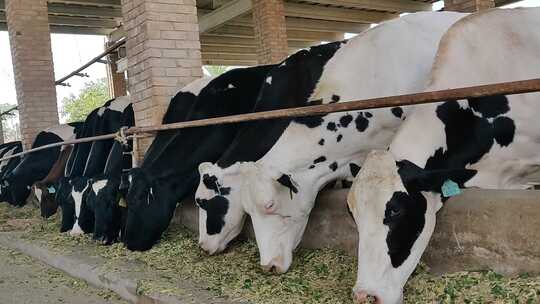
(107,51)
(504,88)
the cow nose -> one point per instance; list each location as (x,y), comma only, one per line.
(363,297)
(209,248)
(274,267)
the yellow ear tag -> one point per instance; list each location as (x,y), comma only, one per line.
(122,203)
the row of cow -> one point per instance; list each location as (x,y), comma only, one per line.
(272,170)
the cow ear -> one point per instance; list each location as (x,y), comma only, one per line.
(207,168)
(418,179)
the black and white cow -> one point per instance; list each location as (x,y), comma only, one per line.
(76,217)
(278,191)
(490,142)
(8,165)
(168,172)
(107,192)
(35,166)
(45,189)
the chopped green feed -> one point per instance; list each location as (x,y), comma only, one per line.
(316,276)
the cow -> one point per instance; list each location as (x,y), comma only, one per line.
(106,198)
(168,172)
(278,191)
(7,165)
(487,142)
(45,189)
(35,166)
(76,217)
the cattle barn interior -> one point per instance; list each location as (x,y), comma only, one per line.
(167,43)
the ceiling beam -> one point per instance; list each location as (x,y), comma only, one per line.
(246,42)
(397,6)
(228,62)
(248,32)
(77,30)
(303,24)
(223,14)
(335,14)
(84,11)
(109,3)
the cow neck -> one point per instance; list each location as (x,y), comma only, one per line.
(235,92)
(287,86)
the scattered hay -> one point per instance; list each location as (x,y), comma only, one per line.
(316,276)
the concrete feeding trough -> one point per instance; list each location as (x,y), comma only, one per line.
(478,230)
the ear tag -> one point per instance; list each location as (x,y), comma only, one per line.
(122,203)
(450,188)
(51,190)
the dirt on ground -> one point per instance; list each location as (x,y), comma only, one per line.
(317,276)
(27,281)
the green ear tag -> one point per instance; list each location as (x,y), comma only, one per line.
(51,189)
(450,188)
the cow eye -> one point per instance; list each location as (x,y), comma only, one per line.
(395,211)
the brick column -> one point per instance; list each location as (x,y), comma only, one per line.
(164,54)
(468,6)
(270,30)
(30,40)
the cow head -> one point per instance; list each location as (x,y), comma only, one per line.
(107,204)
(77,218)
(221,215)
(394,205)
(17,188)
(45,195)
(279,212)
(146,218)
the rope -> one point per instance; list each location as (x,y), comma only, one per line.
(504,88)
(121,137)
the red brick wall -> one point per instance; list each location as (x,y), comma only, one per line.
(270,30)
(30,41)
(468,6)
(164,54)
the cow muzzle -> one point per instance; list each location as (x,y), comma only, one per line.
(361,296)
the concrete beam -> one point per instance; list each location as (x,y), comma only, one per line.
(304,24)
(83,11)
(246,42)
(114,3)
(223,14)
(299,35)
(480,229)
(397,6)
(335,14)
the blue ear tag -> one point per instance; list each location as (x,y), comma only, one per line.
(450,188)
(51,189)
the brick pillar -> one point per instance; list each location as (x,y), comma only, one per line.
(164,54)
(117,81)
(30,40)
(270,30)
(468,6)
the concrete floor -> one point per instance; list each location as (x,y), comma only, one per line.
(26,281)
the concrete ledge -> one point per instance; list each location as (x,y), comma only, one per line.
(92,270)
(480,229)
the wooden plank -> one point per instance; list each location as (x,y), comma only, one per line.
(397,6)
(228,62)
(335,14)
(225,13)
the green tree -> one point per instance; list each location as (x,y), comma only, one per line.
(216,70)
(94,94)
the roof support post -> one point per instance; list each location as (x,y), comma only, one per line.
(164,55)
(30,41)
(270,30)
